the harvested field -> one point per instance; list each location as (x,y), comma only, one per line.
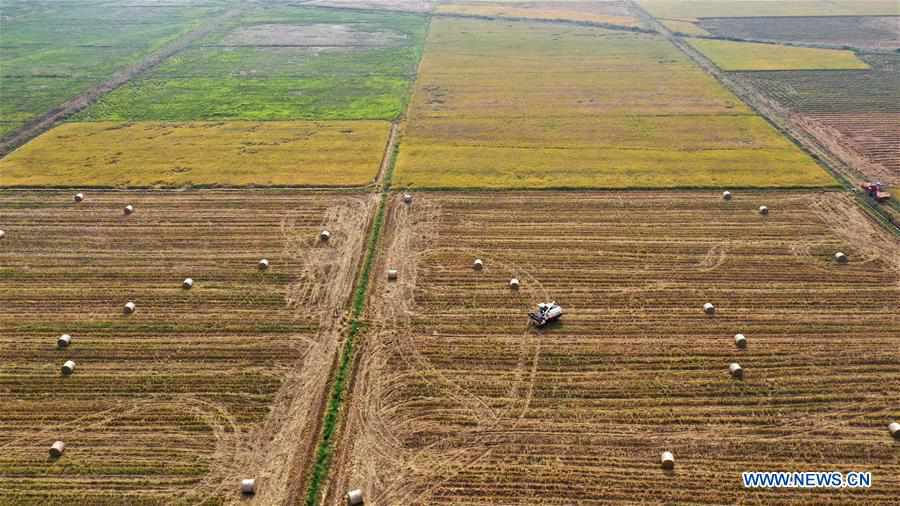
(768,8)
(867,32)
(197,388)
(600,12)
(729,55)
(281,63)
(458,402)
(530,105)
(150,154)
(853,110)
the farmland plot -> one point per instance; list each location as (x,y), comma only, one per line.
(855,112)
(768,8)
(867,32)
(600,12)
(458,402)
(197,388)
(730,55)
(237,153)
(281,63)
(53,52)
(504,104)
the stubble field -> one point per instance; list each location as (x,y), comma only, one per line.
(197,388)
(457,401)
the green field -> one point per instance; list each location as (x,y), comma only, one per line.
(729,55)
(278,64)
(531,105)
(55,51)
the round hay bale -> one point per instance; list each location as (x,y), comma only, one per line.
(2,234)
(79,197)
(514,283)
(354,497)
(709,308)
(726,195)
(407,198)
(129,210)
(894,427)
(64,341)
(392,274)
(129,307)
(248,486)
(187,284)
(763,210)
(68,367)
(736,370)
(324,236)
(667,460)
(57,449)
(840,257)
(263,264)
(740,341)
(478,264)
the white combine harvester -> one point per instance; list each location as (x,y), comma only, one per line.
(546,312)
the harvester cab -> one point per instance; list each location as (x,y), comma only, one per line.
(546,313)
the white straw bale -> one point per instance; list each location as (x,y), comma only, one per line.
(840,257)
(129,307)
(324,236)
(57,449)
(736,370)
(263,264)
(894,427)
(709,308)
(407,198)
(2,234)
(129,209)
(740,340)
(478,264)
(64,340)
(354,497)
(187,284)
(763,210)
(248,486)
(667,460)
(68,367)
(726,195)
(79,197)
(514,283)
(392,274)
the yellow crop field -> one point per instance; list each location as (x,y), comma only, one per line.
(729,55)
(529,105)
(151,154)
(757,8)
(613,13)
(689,27)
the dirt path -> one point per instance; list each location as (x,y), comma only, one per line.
(386,159)
(43,123)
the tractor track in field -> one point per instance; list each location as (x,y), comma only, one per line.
(76,104)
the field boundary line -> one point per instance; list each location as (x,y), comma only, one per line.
(592,24)
(845,174)
(121,77)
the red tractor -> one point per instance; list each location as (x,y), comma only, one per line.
(876,191)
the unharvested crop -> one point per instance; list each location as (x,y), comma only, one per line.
(730,55)
(603,12)
(518,104)
(197,388)
(458,402)
(107,154)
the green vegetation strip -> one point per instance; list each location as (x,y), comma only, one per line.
(332,414)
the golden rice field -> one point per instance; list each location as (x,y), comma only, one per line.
(763,8)
(529,105)
(458,402)
(689,27)
(601,12)
(734,56)
(156,154)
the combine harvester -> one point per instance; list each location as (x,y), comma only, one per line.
(546,312)
(876,191)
